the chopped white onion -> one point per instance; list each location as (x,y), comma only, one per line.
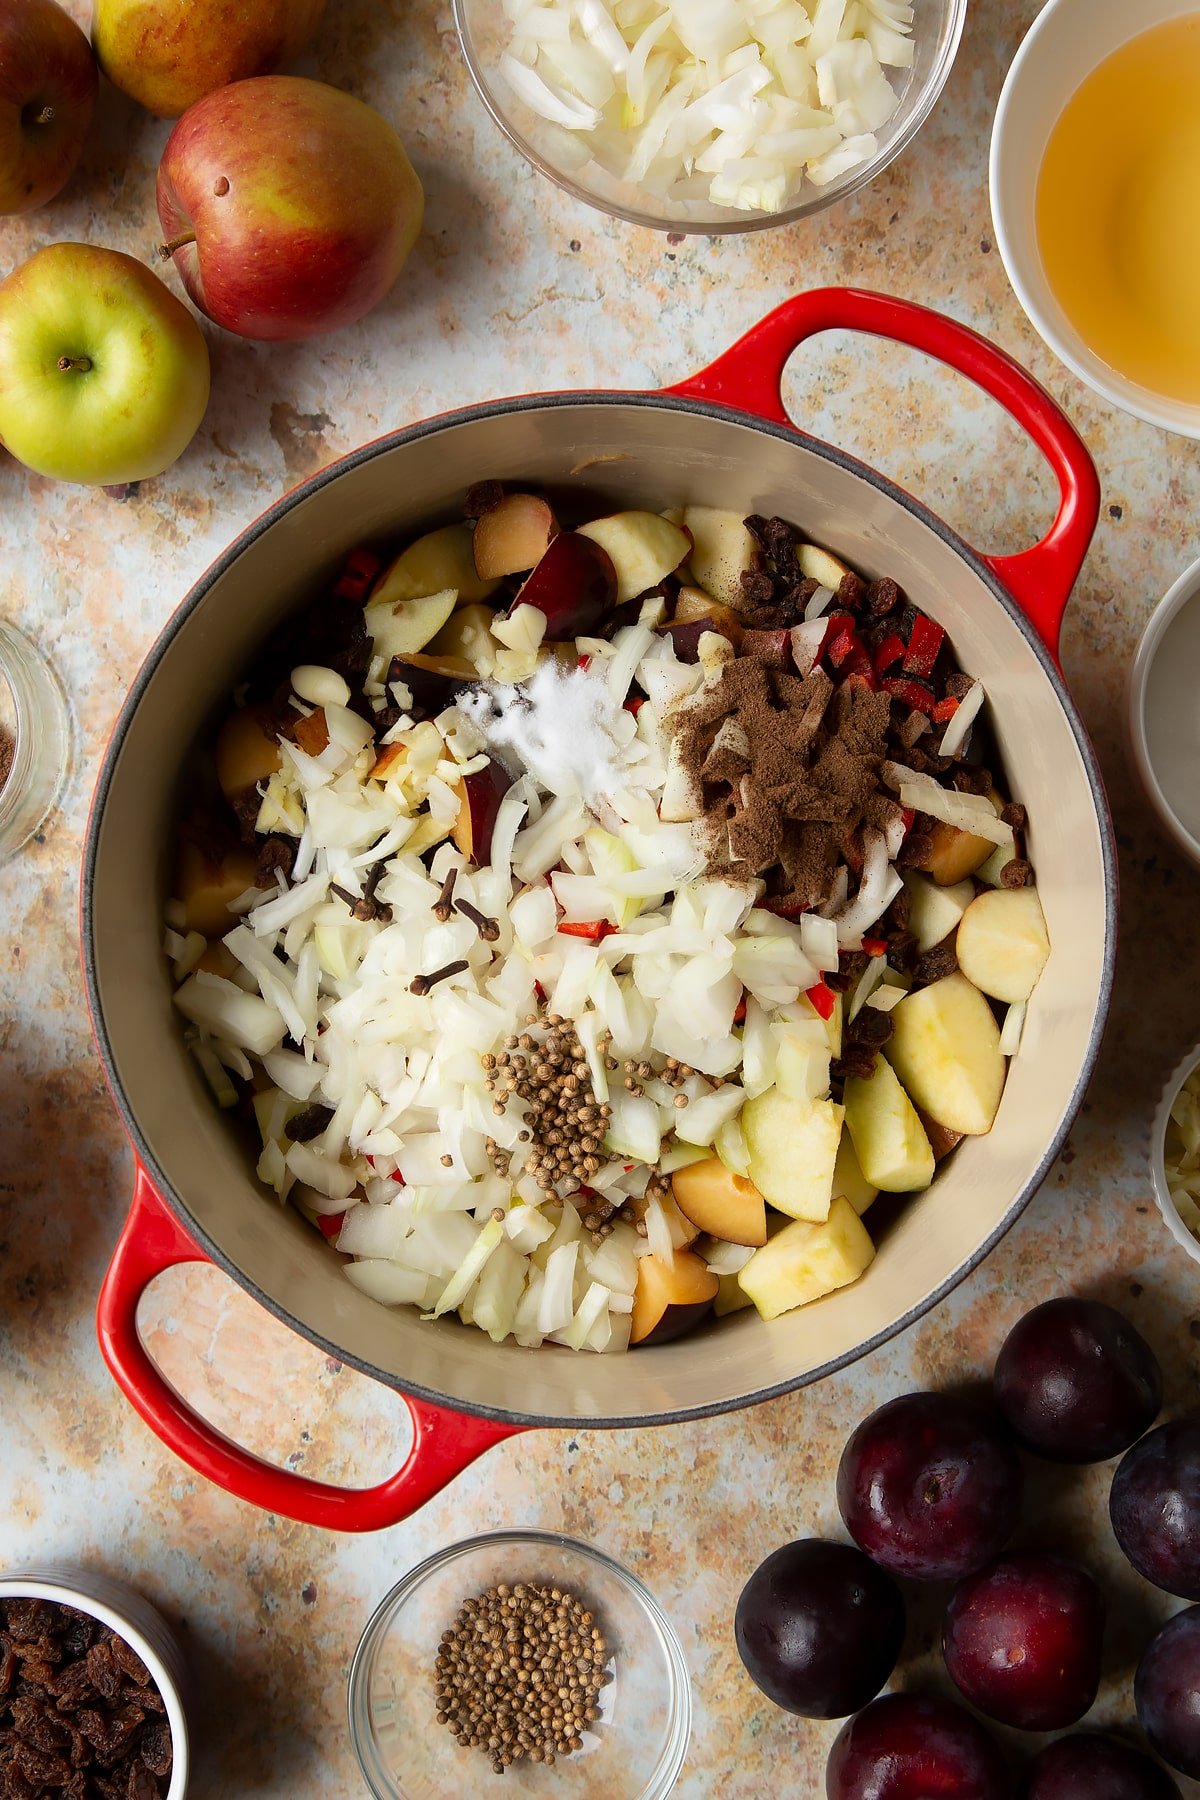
(953,808)
(709,99)
(1012,1028)
(964,716)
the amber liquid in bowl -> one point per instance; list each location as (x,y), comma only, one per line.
(1118,210)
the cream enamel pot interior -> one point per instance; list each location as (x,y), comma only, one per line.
(722,439)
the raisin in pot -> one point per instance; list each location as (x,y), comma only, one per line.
(722,439)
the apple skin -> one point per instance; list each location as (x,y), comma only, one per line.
(167,56)
(46,65)
(139,402)
(289,207)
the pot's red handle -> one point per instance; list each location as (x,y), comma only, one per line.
(749,376)
(444,1442)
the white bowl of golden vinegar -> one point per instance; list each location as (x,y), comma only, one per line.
(1095,187)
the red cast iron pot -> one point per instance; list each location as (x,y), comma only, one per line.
(722,438)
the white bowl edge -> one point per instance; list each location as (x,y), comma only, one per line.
(1158,1165)
(1012,208)
(1177,596)
(140,1624)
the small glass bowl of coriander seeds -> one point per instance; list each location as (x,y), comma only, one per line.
(523,1655)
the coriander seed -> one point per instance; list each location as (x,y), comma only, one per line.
(519,1672)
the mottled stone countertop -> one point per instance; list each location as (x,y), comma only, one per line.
(513,286)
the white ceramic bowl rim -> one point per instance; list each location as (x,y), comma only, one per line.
(812,201)
(1177,596)
(101,1598)
(1012,227)
(1158,1162)
(680,1729)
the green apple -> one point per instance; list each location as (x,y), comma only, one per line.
(167,54)
(103,373)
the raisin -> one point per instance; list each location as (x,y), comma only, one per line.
(482,497)
(757,588)
(1014,815)
(872,1028)
(1016,874)
(104,1670)
(26,1619)
(970,779)
(851,591)
(309,1124)
(882,597)
(935,965)
(275,854)
(155,1748)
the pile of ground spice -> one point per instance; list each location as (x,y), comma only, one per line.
(519,1673)
(787,770)
(7,749)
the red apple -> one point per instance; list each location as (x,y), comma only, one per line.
(48,85)
(513,536)
(574,584)
(288,206)
(480,802)
(168,56)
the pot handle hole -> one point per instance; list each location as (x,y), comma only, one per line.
(749,377)
(444,1442)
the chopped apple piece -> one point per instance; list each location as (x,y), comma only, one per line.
(388,763)
(439,560)
(807,1260)
(933,911)
(992,871)
(719,1202)
(645,548)
(731,1296)
(574,585)
(692,604)
(793,1147)
(217,960)
(247,750)
(408,625)
(513,537)
(819,566)
(941,1141)
(467,637)
(206,886)
(312,733)
(722,551)
(848,1178)
(481,794)
(671,1297)
(954,854)
(945,1047)
(889,1142)
(1002,942)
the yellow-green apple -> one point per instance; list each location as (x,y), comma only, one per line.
(103,372)
(168,54)
(288,206)
(48,85)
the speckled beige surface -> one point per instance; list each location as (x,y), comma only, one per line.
(510,288)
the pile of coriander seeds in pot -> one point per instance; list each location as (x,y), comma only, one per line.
(519,1673)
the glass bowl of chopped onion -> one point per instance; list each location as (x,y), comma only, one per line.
(419,1670)
(1175,1154)
(710,116)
